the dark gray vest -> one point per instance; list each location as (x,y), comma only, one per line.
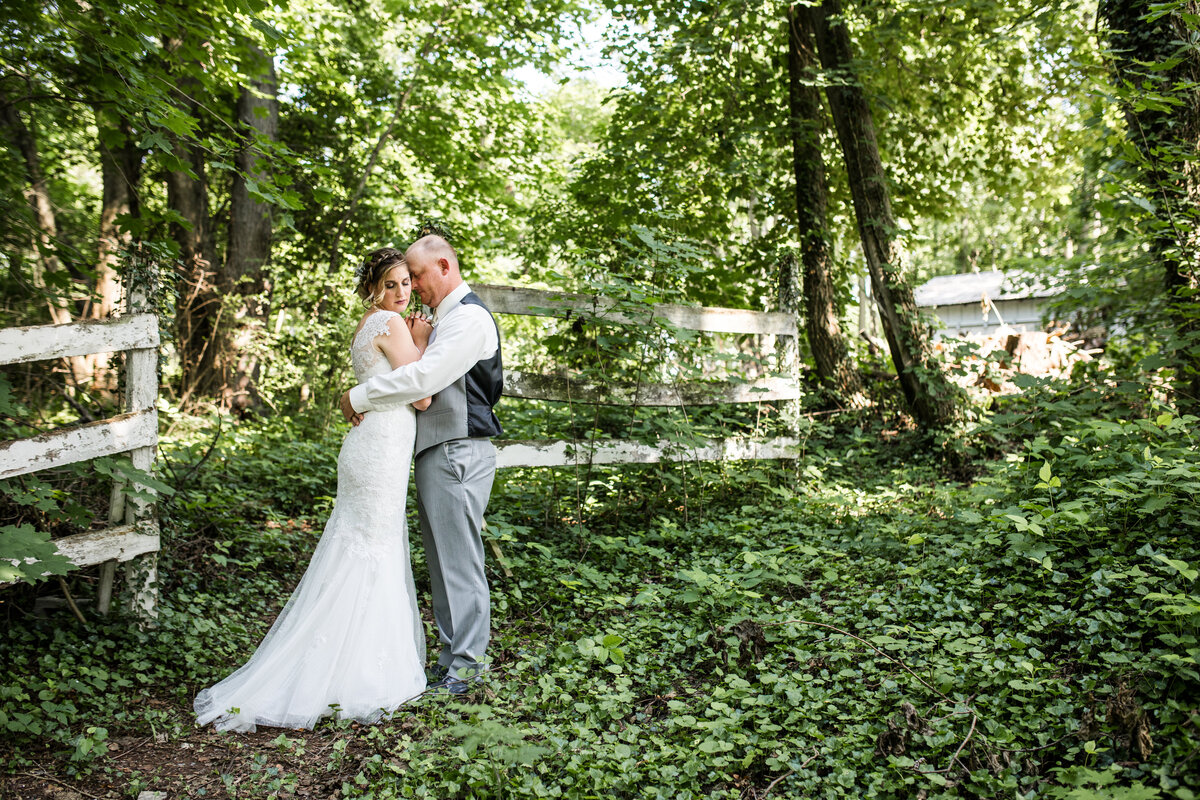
(464,408)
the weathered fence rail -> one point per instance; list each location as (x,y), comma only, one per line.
(558,388)
(132,531)
(540,303)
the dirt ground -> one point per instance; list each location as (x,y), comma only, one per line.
(204,764)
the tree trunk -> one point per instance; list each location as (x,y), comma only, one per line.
(250,227)
(38,194)
(928,392)
(120,171)
(835,368)
(1083,231)
(198,309)
(46,227)
(1153,60)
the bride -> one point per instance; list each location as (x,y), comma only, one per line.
(350,639)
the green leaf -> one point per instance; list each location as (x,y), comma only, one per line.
(27,554)
(1142,202)
(272,33)
(1181,567)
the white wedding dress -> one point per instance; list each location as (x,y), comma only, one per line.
(350,635)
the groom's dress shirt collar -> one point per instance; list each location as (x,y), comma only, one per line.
(450,301)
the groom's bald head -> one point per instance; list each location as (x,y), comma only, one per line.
(433,265)
(432,247)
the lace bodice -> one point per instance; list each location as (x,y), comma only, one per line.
(367,359)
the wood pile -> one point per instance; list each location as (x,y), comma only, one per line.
(989,362)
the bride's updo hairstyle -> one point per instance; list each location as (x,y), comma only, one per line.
(371,272)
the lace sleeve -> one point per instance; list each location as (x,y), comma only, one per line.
(377,325)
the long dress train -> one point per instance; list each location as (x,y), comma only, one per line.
(350,636)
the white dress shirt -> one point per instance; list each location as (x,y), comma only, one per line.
(463,336)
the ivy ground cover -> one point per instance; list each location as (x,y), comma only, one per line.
(853,625)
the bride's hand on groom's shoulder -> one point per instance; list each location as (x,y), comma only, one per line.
(352,416)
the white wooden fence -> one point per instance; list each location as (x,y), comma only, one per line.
(132,530)
(510,300)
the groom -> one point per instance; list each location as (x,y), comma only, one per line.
(455,458)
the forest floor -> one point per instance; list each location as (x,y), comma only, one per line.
(847,626)
(202,763)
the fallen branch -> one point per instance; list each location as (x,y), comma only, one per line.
(970,733)
(953,758)
(789,773)
(71,600)
(128,750)
(60,783)
(773,783)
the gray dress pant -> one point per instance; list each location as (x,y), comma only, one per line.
(454,480)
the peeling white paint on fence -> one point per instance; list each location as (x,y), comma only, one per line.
(121,543)
(82,443)
(41,342)
(563,389)
(554,453)
(539,303)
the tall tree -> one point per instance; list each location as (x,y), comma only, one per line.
(198,309)
(22,135)
(47,265)
(120,173)
(929,394)
(120,169)
(1156,64)
(243,278)
(829,349)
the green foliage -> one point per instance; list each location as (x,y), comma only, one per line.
(710,77)
(35,508)
(980,109)
(126,61)
(849,626)
(623,345)
(26,554)
(41,506)
(1153,65)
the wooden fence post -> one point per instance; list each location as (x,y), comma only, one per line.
(141,394)
(787,348)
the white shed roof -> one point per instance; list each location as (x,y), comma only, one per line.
(970,287)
